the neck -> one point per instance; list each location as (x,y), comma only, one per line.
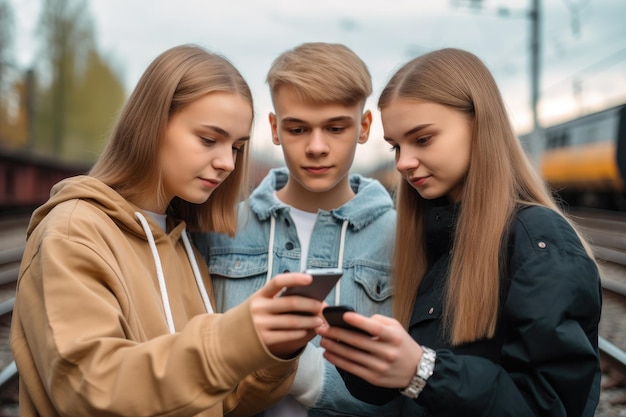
(304,199)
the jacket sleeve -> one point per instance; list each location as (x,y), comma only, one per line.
(549,363)
(89,360)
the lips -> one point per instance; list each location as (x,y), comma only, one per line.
(211,183)
(317,170)
(418,181)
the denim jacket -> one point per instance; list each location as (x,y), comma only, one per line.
(365,224)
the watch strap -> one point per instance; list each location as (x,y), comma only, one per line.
(425,369)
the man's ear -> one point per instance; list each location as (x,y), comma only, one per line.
(366,124)
(274,127)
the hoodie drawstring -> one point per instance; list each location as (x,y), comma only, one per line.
(342,242)
(196,273)
(270,252)
(161,277)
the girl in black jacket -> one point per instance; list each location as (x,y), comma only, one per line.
(497,298)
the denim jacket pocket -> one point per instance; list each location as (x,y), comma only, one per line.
(237,265)
(235,277)
(374,296)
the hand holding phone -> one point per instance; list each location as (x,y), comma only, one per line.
(334,317)
(324,279)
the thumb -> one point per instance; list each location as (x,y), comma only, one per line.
(291,279)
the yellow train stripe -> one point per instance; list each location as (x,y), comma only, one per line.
(585,166)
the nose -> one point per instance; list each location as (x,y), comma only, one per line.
(317,144)
(406,161)
(225,158)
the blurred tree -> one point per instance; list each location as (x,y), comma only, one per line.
(14,130)
(6,65)
(77,102)
(94,101)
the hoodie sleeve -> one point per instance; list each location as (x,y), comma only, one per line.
(91,357)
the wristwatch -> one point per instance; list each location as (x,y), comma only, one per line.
(424,371)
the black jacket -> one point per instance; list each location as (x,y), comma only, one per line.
(543,360)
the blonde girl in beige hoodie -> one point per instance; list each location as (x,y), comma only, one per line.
(114,307)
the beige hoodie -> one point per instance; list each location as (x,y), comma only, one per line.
(90,335)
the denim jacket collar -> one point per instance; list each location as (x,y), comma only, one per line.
(361,210)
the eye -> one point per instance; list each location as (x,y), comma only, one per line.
(239,146)
(296,130)
(336,129)
(393,146)
(207,141)
(423,140)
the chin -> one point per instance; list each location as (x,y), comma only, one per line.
(198,199)
(430,196)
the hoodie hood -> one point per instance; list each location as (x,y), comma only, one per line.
(96,193)
(129,218)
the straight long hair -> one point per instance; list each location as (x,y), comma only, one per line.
(129,163)
(500,177)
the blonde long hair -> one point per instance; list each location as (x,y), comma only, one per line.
(500,176)
(129,163)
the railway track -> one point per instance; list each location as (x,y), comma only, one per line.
(606,232)
(11,250)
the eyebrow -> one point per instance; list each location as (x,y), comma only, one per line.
(224,133)
(217,130)
(416,129)
(412,131)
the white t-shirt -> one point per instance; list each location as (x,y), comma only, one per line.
(288,406)
(304,222)
(159,218)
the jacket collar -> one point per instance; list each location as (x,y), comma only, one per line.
(439,226)
(371,199)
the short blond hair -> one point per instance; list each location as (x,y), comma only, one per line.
(322,73)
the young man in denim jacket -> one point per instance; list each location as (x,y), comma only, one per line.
(313,213)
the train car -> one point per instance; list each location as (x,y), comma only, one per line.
(26,179)
(584,159)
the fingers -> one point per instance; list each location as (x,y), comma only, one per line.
(285,324)
(354,361)
(388,358)
(369,325)
(276,284)
(285,334)
(374,326)
(292,304)
(297,338)
(284,319)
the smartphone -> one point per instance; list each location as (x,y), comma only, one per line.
(324,279)
(334,317)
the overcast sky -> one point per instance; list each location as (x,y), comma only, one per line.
(583,60)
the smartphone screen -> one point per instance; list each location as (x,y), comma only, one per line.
(324,279)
